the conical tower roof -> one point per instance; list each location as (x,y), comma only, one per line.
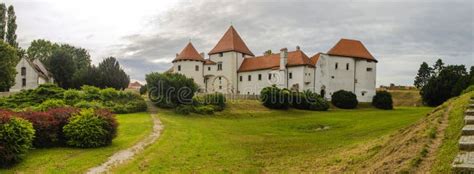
(189,53)
(231,41)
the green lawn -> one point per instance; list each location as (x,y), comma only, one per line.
(132,128)
(251,139)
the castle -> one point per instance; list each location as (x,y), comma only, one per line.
(232,68)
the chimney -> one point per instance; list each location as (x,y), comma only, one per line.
(283,58)
(297,47)
(202,54)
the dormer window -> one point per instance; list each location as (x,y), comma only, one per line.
(221,54)
(23,71)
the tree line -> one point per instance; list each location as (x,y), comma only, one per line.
(440,82)
(70,66)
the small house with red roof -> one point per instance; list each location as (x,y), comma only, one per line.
(231,68)
(30,74)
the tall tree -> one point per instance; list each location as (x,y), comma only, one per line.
(62,67)
(81,56)
(449,83)
(424,74)
(3,20)
(8,61)
(112,75)
(41,49)
(11,27)
(438,66)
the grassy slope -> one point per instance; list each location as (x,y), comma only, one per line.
(406,97)
(450,147)
(250,138)
(132,128)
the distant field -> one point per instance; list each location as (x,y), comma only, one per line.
(406,97)
(249,138)
(133,128)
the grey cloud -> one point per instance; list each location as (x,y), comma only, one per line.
(400,34)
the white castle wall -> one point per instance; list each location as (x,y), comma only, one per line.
(188,69)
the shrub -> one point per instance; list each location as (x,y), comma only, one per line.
(184,109)
(170,89)
(275,98)
(46,128)
(206,109)
(89,105)
(51,103)
(91,93)
(91,129)
(216,99)
(344,99)
(62,115)
(383,100)
(300,101)
(72,96)
(320,104)
(16,136)
(108,94)
(143,89)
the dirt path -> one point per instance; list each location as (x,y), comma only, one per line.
(127,154)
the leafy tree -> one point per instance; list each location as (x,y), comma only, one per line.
(11,27)
(438,66)
(3,20)
(449,83)
(86,76)
(268,52)
(8,61)
(424,74)
(81,56)
(471,75)
(170,89)
(41,49)
(112,75)
(62,67)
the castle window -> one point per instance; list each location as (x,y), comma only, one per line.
(220,87)
(221,54)
(219,66)
(209,68)
(23,71)
(23,82)
(259,76)
(250,78)
(240,78)
(179,67)
(291,75)
(347,66)
(269,76)
(369,69)
(336,65)
(197,68)
(243,55)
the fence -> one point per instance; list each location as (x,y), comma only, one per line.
(238,96)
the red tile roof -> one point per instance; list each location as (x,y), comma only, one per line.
(272,61)
(231,41)
(209,62)
(351,48)
(315,58)
(134,85)
(189,53)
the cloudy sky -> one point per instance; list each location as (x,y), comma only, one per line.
(146,34)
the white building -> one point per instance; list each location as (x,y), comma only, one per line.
(30,74)
(232,68)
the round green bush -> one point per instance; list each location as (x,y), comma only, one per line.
(319,104)
(72,96)
(51,103)
(206,109)
(89,105)
(275,98)
(344,99)
(184,109)
(90,129)
(16,137)
(383,100)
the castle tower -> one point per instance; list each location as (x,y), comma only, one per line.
(190,63)
(229,54)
